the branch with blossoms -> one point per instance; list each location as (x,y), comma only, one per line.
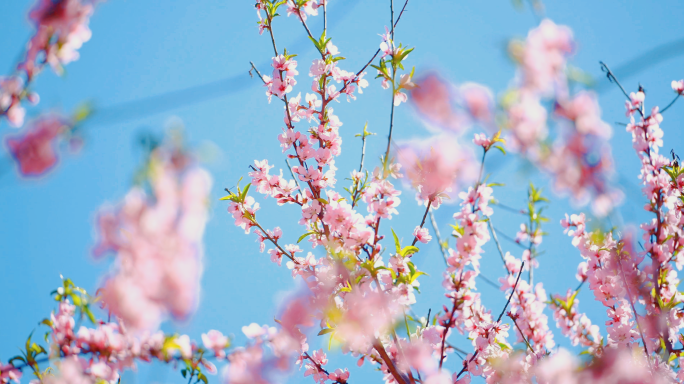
(359,283)
(101,353)
(61,29)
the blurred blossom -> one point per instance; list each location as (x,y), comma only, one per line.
(580,160)
(11,92)
(527,124)
(544,56)
(157,239)
(61,29)
(35,150)
(436,166)
(71,371)
(367,314)
(478,101)
(450,107)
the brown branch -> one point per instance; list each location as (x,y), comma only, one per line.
(422,223)
(388,361)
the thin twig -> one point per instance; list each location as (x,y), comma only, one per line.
(512,240)
(392,19)
(275,49)
(439,237)
(257,72)
(299,188)
(671,102)
(498,245)
(311,36)
(521,333)
(458,351)
(363,150)
(376,52)
(488,281)
(611,77)
(506,207)
(631,303)
(499,318)
(389,137)
(422,223)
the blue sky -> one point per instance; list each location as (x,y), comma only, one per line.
(141,49)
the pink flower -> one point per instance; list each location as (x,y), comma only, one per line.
(422,234)
(678,86)
(482,140)
(366,312)
(157,241)
(543,60)
(404,83)
(433,98)
(215,341)
(435,166)
(11,91)
(8,372)
(61,29)
(339,375)
(527,121)
(478,101)
(387,45)
(34,151)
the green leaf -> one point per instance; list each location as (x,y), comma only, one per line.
(500,148)
(325,331)
(409,250)
(244,193)
(415,275)
(396,241)
(202,377)
(90,315)
(304,236)
(17,358)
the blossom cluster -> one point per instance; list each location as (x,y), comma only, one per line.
(358,284)
(61,29)
(579,159)
(99,354)
(156,239)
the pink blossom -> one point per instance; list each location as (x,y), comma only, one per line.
(8,372)
(34,150)
(433,98)
(678,86)
(435,166)
(422,234)
(478,101)
(365,313)
(404,83)
(545,52)
(215,341)
(527,121)
(61,29)
(159,259)
(482,140)
(339,375)
(11,92)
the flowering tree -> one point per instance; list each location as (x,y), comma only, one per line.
(360,282)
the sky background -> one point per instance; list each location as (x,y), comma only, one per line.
(140,50)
